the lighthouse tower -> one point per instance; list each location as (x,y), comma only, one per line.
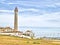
(16,19)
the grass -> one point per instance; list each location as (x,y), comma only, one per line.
(13,40)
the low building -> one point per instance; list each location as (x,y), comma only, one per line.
(29,33)
(5,29)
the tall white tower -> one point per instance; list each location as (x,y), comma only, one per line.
(16,19)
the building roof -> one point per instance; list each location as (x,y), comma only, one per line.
(8,28)
(1,27)
(28,31)
(5,28)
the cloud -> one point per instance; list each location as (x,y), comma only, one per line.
(20,10)
(48,6)
(6,11)
(35,13)
(29,9)
(6,20)
(37,3)
(54,21)
(40,20)
(34,3)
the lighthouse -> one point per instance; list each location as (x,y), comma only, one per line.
(16,19)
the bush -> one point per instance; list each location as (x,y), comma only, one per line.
(36,43)
(27,41)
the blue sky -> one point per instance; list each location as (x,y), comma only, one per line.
(34,13)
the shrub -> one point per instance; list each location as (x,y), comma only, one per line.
(27,41)
(36,43)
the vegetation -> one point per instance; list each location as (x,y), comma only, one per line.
(13,40)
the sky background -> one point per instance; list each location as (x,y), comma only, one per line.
(42,15)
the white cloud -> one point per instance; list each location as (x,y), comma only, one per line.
(40,4)
(10,3)
(40,21)
(47,3)
(6,20)
(6,11)
(20,10)
(35,3)
(29,9)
